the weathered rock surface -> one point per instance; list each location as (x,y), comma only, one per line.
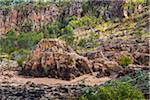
(136,49)
(27,17)
(30,91)
(55,59)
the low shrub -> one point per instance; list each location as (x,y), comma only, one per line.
(8,42)
(68,35)
(90,41)
(113,90)
(139,79)
(83,22)
(20,55)
(124,61)
(29,40)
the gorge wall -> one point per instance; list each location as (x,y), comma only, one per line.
(19,17)
(31,17)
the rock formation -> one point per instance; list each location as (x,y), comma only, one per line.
(30,17)
(53,58)
(26,17)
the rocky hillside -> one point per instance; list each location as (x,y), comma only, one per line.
(74,50)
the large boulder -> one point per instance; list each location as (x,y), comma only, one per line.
(53,58)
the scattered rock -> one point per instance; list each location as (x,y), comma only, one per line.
(6,64)
(113,66)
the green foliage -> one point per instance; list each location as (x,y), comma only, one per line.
(5,2)
(8,43)
(124,61)
(75,23)
(139,79)
(139,33)
(65,21)
(87,21)
(83,22)
(90,41)
(29,40)
(59,28)
(20,55)
(68,35)
(113,90)
(131,4)
(139,1)
(17,47)
(54,28)
(11,42)
(67,30)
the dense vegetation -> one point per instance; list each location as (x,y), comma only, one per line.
(64,30)
(113,90)
(126,87)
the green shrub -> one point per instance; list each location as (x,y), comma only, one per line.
(65,22)
(68,35)
(75,23)
(114,90)
(124,61)
(8,43)
(87,21)
(139,79)
(139,33)
(29,40)
(90,41)
(54,29)
(83,22)
(20,55)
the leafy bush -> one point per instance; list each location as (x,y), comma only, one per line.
(139,33)
(124,61)
(29,40)
(68,35)
(54,28)
(83,22)
(8,43)
(139,79)
(87,21)
(113,90)
(17,47)
(75,23)
(65,22)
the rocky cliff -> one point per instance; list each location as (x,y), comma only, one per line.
(33,17)
(27,17)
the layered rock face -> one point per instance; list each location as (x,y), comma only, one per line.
(27,17)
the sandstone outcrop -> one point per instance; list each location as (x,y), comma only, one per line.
(55,59)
